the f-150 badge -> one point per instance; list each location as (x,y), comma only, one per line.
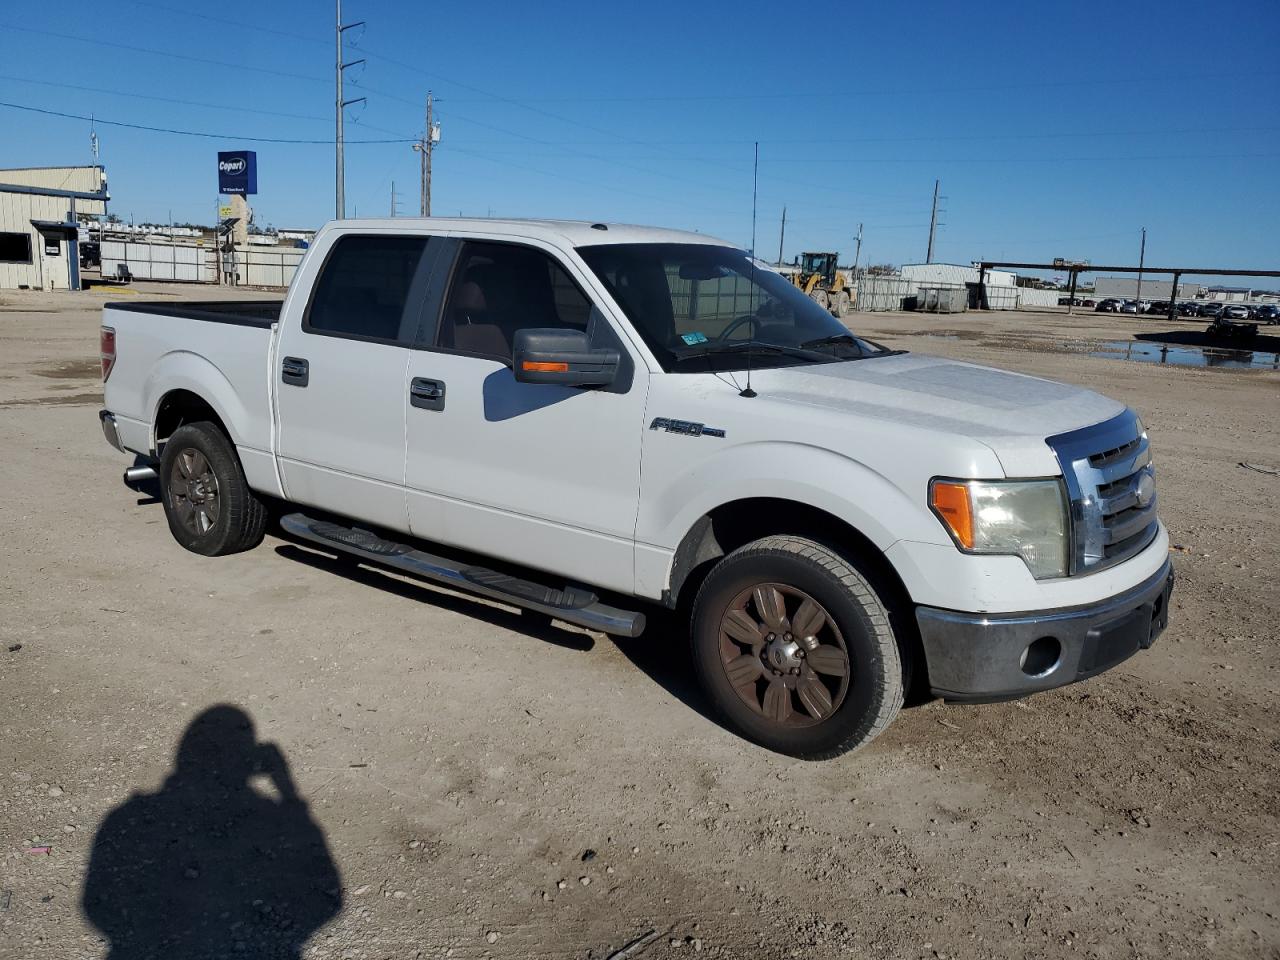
(685,427)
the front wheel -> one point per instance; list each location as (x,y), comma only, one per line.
(208,503)
(795,650)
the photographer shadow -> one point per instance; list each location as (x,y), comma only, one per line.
(210,865)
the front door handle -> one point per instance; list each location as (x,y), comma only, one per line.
(426,394)
(295,370)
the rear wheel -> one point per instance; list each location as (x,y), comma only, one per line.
(208,503)
(795,648)
(842,305)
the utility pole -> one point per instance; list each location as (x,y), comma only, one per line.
(340,195)
(1142,257)
(425,145)
(782,235)
(933,222)
(858,252)
(393,198)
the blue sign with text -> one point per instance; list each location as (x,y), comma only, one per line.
(238,172)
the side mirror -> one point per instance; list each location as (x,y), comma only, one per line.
(564,357)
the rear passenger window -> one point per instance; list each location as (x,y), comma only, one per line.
(499,288)
(371,288)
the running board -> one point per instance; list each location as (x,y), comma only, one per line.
(571,604)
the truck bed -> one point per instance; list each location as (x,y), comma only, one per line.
(220,350)
(245,313)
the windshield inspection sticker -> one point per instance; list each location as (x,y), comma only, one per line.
(693,339)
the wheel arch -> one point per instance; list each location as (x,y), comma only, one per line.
(736,523)
(180,406)
(183,380)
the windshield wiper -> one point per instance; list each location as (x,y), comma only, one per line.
(754,346)
(837,339)
(834,338)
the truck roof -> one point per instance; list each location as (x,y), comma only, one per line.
(577,232)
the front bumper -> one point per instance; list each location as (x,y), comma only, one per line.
(983,657)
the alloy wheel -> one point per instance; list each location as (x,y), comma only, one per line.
(784,655)
(193,491)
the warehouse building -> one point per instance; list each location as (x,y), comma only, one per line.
(1126,288)
(40,209)
(942,274)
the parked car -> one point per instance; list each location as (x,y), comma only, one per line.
(1109,305)
(1211,308)
(1267,313)
(1188,309)
(1130,306)
(90,254)
(1158,306)
(432,393)
(1144,306)
(1233,327)
(1089,303)
(1237,311)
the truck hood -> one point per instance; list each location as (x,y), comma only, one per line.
(1011,413)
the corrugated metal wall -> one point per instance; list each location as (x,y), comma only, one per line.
(157,260)
(883,293)
(17,210)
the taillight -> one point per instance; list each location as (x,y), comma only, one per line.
(107,345)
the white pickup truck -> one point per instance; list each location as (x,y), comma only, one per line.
(556,415)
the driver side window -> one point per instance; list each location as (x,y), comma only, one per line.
(499,288)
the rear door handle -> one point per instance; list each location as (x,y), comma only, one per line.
(426,394)
(295,370)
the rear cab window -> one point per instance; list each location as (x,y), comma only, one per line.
(373,287)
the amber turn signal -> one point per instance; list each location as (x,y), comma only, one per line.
(951,502)
(536,366)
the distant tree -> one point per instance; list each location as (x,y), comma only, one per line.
(882,270)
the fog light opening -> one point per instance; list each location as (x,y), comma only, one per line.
(1041,657)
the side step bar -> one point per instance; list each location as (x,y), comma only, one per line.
(572,604)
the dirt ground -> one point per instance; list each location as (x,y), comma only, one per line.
(488,785)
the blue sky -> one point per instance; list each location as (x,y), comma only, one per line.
(1056,130)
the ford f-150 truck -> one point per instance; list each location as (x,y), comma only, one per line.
(588,420)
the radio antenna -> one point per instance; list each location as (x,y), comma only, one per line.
(755,180)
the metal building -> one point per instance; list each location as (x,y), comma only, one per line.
(935,274)
(39,211)
(1153,288)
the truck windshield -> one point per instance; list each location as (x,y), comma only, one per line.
(696,303)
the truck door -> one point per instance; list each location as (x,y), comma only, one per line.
(341,372)
(542,475)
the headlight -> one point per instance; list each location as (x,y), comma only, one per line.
(1023,518)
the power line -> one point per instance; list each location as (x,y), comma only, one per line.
(901,91)
(164,53)
(185,133)
(238,24)
(186,103)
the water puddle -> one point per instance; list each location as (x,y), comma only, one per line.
(1141,351)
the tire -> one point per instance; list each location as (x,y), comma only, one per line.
(842,305)
(819,296)
(858,705)
(208,503)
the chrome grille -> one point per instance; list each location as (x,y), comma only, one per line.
(1111,485)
